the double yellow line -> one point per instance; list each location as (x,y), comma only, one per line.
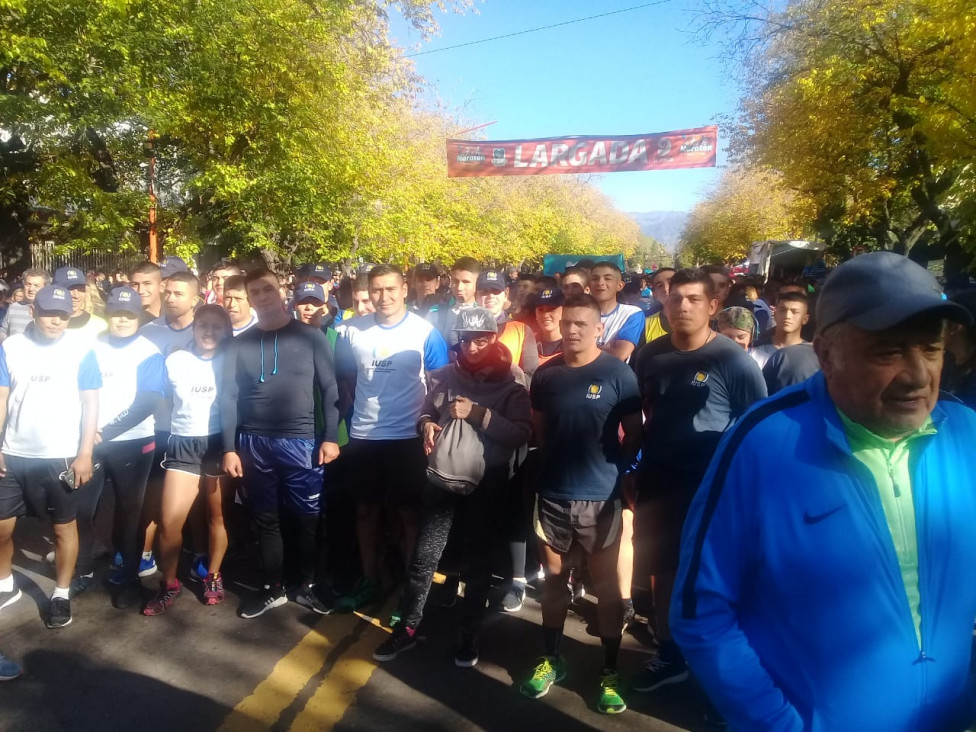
(341,681)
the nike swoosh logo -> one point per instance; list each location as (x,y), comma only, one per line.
(809,518)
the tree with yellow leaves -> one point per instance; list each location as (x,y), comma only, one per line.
(866,106)
(747,205)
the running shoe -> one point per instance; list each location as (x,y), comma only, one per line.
(363,592)
(128,594)
(266,599)
(402,639)
(147,567)
(58,613)
(575,587)
(448,593)
(610,700)
(659,672)
(49,557)
(630,614)
(548,671)
(8,669)
(307,597)
(116,563)
(213,589)
(163,600)
(81,584)
(198,569)
(9,598)
(467,650)
(512,602)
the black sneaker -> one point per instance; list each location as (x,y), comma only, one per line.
(9,598)
(401,640)
(58,613)
(447,595)
(128,594)
(306,597)
(630,615)
(265,600)
(512,602)
(81,584)
(467,650)
(659,672)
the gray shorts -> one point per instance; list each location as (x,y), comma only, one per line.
(591,525)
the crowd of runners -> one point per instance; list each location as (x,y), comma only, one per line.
(801,512)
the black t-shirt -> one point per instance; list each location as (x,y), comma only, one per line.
(692,397)
(790,365)
(269,383)
(582,408)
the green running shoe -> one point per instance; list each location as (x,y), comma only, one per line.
(363,592)
(610,700)
(547,672)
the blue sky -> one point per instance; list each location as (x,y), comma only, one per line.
(630,73)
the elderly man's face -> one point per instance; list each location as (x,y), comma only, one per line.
(887,381)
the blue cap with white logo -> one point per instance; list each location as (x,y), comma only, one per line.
(124,299)
(70,277)
(310,290)
(492,279)
(172,265)
(53,299)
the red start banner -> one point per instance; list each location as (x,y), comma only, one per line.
(552,155)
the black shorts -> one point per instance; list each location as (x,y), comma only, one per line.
(591,525)
(386,471)
(663,499)
(34,486)
(194,455)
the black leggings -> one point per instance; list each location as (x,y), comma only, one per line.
(480,513)
(302,533)
(126,465)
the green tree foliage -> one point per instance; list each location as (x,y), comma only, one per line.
(746,206)
(865,106)
(285,126)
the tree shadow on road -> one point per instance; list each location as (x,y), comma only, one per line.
(62,691)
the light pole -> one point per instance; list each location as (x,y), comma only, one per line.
(149,147)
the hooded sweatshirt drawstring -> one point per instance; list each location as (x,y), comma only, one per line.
(274,369)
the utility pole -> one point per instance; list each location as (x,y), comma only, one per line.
(150,149)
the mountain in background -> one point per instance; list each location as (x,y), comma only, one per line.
(664,226)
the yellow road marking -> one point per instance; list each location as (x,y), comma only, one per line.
(273,695)
(350,673)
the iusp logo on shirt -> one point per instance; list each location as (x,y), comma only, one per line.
(700,378)
(381,357)
(593,391)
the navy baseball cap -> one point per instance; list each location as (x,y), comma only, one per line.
(321,271)
(124,299)
(70,277)
(172,265)
(310,290)
(476,320)
(492,279)
(428,270)
(53,299)
(879,290)
(551,297)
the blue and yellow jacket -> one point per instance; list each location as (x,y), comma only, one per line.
(789,603)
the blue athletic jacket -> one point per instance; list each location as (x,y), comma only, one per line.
(789,603)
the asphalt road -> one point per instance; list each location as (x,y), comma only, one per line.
(203,668)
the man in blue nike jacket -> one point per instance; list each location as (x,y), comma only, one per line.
(826,574)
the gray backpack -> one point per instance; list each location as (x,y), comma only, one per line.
(457,462)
